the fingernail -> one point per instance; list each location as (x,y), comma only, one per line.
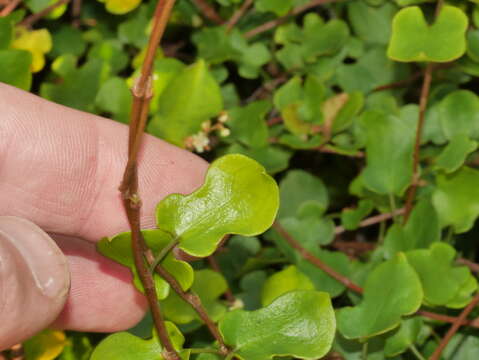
(45,260)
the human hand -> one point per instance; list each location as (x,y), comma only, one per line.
(60,169)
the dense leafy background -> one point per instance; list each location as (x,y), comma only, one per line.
(325,97)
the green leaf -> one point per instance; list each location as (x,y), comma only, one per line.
(6,32)
(247,124)
(455,153)
(111,52)
(440,279)
(414,40)
(282,282)
(118,248)
(78,347)
(392,290)
(404,337)
(46,345)
(350,218)
(459,114)
(279,7)
(238,197)
(417,233)
(115,97)
(299,324)
(120,7)
(311,229)
(371,24)
(463,346)
(299,191)
(67,40)
(273,158)
(456,199)
(190,99)
(125,346)
(209,286)
(18,64)
(389,150)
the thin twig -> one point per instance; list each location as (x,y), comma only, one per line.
(315,260)
(400,83)
(30,20)
(474,267)
(195,302)
(454,328)
(208,11)
(142,95)
(411,194)
(238,14)
(372,220)
(297,10)
(76,12)
(216,267)
(12,5)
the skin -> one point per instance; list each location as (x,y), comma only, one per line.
(60,169)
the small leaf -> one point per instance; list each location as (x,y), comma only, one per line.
(118,248)
(38,42)
(300,324)
(414,40)
(456,199)
(459,114)
(350,218)
(18,64)
(125,346)
(78,347)
(115,97)
(392,290)
(248,124)
(238,197)
(279,7)
(440,279)
(46,345)
(404,337)
(273,158)
(191,98)
(455,153)
(120,7)
(209,286)
(282,282)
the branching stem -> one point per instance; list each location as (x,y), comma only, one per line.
(30,20)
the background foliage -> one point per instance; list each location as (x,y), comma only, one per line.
(328,97)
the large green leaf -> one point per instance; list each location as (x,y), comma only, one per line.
(392,290)
(238,197)
(190,99)
(119,249)
(459,114)
(18,64)
(299,324)
(440,279)
(414,40)
(389,149)
(125,346)
(456,198)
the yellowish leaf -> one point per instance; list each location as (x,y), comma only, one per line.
(37,42)
(121,6)
(46,345)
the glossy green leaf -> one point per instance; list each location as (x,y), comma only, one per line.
(282,282)
(416,233)
(124,346)
(208,285)
(18,62)
(413,39)
(118,248)
(440,279)
(392,290)
(389,149)
(273,158)
(238,197)
(299,324)
(404,337)
(455,153)
(190,99)
(456,198)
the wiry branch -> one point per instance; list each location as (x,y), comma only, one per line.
(30,20)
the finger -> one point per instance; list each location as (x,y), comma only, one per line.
(34,280)
(61,168)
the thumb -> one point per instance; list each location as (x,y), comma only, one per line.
(34,280)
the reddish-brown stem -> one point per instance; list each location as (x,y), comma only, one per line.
(238,14)
(372,220)
(76,12)
(12,5)
(30,20)
(454,328)
(316,261)
(208,11)
(470,264)
(195,302)
(399,84)
(142,94)
(411,193)
(297,10)
(216,267)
